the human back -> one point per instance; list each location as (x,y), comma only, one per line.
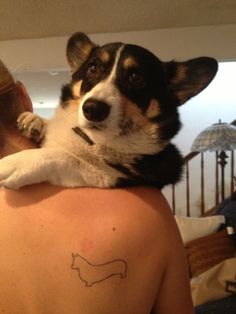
(47,228)
(42,227)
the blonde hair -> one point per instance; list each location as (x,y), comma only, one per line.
(10,106)
(11,140)
(7,83)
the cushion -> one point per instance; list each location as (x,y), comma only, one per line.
(206,252)
(213,284)
(193,228)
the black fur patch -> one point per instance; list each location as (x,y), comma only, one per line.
(66,94)
(143,81)
(156,170)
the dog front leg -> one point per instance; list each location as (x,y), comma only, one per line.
(40,165)
(32,126)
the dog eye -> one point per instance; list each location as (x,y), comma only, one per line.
(93,70)
(136,79)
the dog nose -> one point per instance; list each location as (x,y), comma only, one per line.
(96,111)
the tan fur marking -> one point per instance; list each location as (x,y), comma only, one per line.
(105,56)
(153,110)
(180,75)
(183,95)
(72,105)
(86,50)
(133,113)
(129,62)
(141,128)
(76,89)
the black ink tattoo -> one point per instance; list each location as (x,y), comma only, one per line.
(95,273)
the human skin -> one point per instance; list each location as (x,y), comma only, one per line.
(88,250)
(41,226)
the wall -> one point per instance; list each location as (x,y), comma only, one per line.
(178,43)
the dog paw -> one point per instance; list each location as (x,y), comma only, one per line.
(8,173)
(32,126)
(14,172)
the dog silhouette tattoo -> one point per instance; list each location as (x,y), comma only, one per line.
(94,273)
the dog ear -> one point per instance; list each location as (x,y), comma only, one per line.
(187,79)
(78,49)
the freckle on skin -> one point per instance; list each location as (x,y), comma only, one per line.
(114,229)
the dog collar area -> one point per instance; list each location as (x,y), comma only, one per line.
(84,136)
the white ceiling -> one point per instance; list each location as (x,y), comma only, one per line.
(21,19)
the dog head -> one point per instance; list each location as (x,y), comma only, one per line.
(127,98)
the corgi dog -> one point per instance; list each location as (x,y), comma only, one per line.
(115,121)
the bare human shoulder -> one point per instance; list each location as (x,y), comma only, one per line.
(112,248)
(173,288)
